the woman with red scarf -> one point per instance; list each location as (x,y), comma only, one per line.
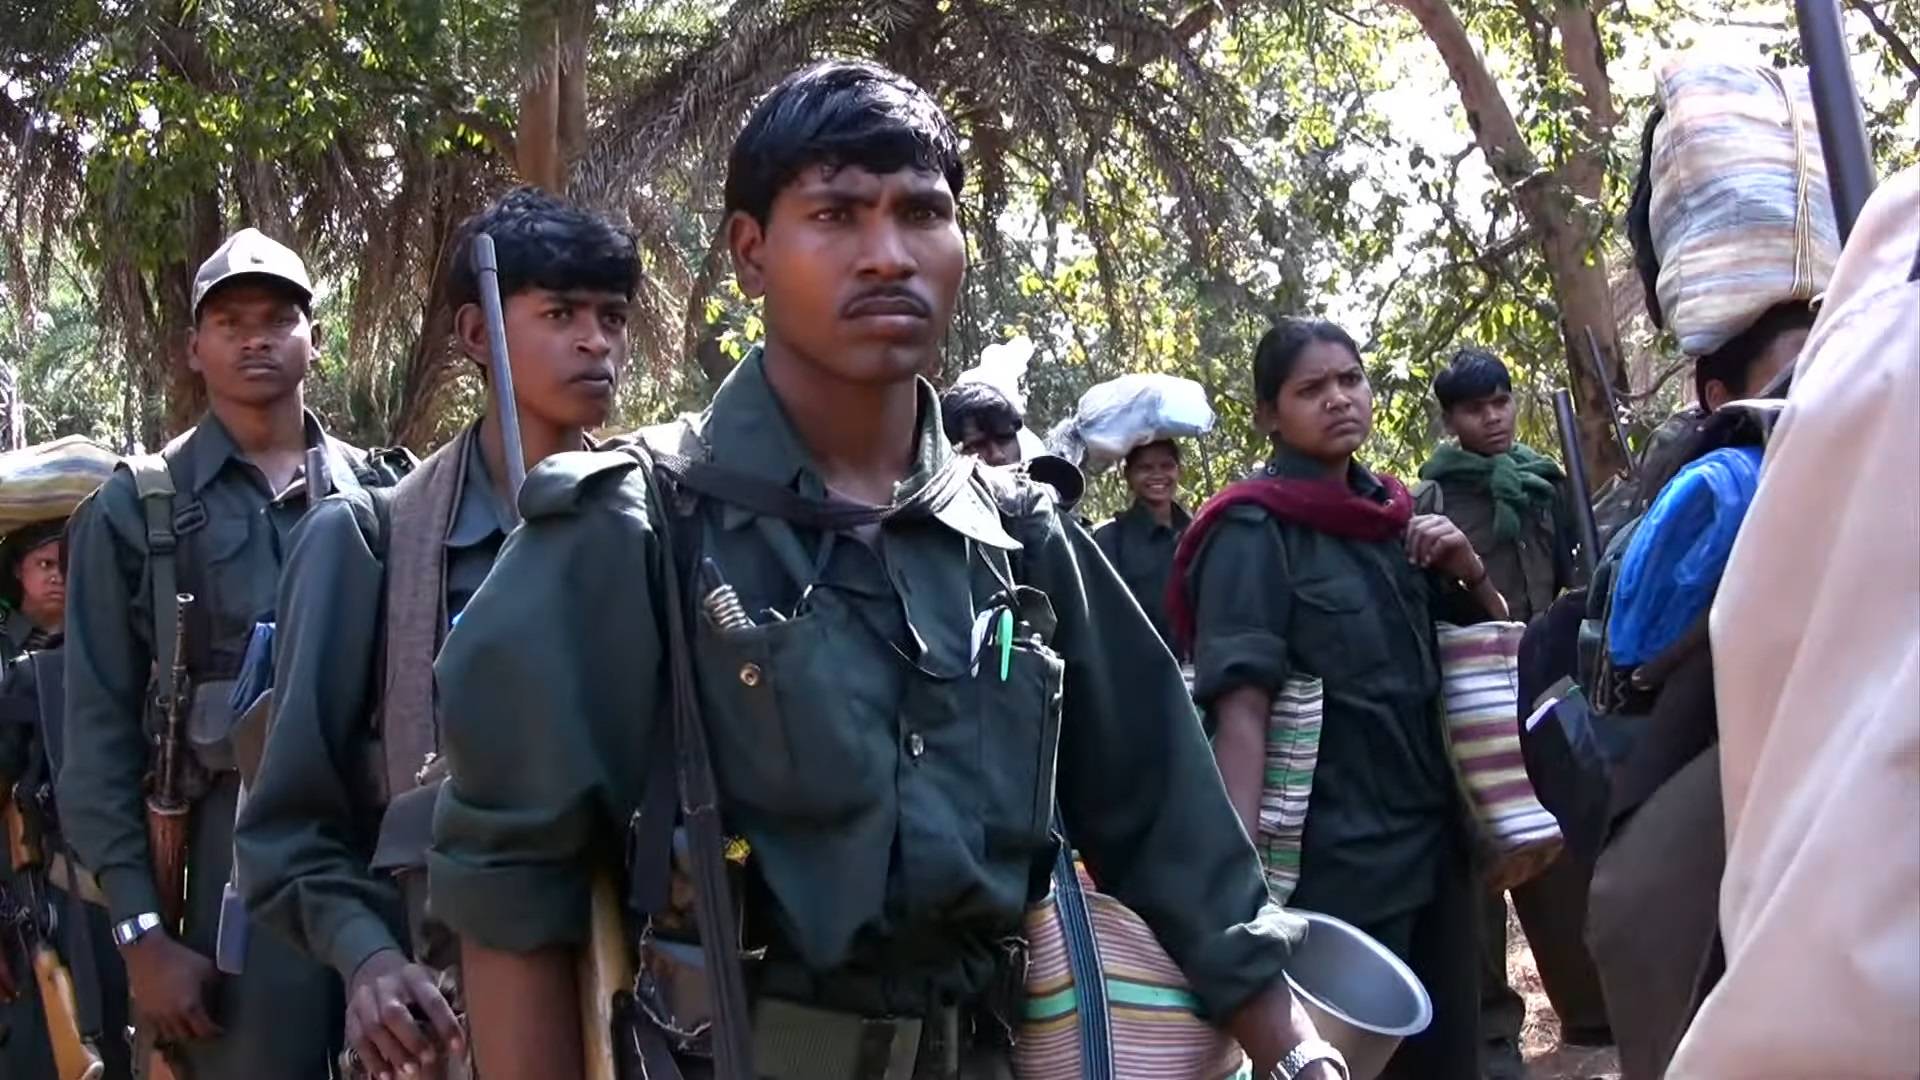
(1318,567)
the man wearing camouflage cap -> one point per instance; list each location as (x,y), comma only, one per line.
(208,516)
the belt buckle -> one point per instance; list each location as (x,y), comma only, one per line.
(889,1047)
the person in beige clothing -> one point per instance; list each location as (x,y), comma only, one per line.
(1816,643)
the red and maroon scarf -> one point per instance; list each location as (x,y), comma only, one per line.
(1328,506)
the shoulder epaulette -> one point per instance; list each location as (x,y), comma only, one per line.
(557,485)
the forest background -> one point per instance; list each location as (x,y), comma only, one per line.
(1150,183)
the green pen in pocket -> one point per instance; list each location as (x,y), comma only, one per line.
(1006,643)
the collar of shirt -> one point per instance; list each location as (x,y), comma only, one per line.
(1293,465)
(478,517)
(1140,516)
(746,430)
(210,448)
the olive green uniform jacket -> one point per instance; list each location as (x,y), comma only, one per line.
(897,796)
(281,1018)
(1141,549)
(312,819)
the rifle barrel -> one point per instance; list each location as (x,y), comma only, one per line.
(1613,403)
(1577,483)
(1836,104)
(487,270)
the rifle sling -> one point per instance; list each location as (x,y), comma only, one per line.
(700,812)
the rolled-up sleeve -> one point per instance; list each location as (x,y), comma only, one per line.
(1242,598)
(304,838)
(1139,791)
(549,686)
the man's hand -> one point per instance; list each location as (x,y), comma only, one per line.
(387,992)
(1435,543)
(1270,1025)
(168,982)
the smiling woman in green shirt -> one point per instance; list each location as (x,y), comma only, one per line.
(1319,567)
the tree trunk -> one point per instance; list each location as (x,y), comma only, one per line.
(1559,203)
(553,96)
(13,412)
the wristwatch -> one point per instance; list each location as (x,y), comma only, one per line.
(1308,1053)
(128,931)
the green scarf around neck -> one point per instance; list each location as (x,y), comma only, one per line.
(1521,481)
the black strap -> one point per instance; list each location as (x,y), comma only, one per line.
(771,500)
(700,813)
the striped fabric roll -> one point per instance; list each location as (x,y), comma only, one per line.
(1480,685)
(45,482)
(1156,1033)
(1293,749)
(1740,214)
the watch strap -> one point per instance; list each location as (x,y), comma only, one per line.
(1307,1053)
(128,931)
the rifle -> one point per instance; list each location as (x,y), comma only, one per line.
(1599,362)
(1581,501)
(74,1057)
(167,805)
(487,271)
(1836,105)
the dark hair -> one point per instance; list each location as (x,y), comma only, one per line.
(1471,374)
(1646,259)
(981,405)
(1273,360)
(543,242)
(1168,445)
(1732,363)
(838,113)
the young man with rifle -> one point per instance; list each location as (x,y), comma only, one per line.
(893,646)
(173,562)
(332,842)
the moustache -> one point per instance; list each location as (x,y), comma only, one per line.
(887,300)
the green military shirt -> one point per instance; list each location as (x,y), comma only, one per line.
(309,828)
(1142,550)
(1275,599)
(1529,571)
(896,795)
(232,534)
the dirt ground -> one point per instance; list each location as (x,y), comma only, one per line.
(1540,1039)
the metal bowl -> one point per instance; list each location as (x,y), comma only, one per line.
(1363,999)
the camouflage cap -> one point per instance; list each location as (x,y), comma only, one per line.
(250,253)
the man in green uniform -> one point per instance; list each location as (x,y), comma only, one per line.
(1140,543)
(370,587)
(892,773)
(1510,500)
(211,519)
(979,420)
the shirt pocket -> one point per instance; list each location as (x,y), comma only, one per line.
(779,708)
(1019,734)
(1338,628)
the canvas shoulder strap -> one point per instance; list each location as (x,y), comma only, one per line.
(153,482)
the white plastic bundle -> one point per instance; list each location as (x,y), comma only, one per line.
(46,482)
(1740,216)
(1003,366)
(1120,414)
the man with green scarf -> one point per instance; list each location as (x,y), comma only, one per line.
(1511,502)
(1503,494)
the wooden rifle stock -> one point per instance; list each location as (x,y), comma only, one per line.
(73,1057)
(167,804)
(604,972)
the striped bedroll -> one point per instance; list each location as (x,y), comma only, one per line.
(1740,213)
(45,482)
(1156,1034)
(1480,685)
(1293,749)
